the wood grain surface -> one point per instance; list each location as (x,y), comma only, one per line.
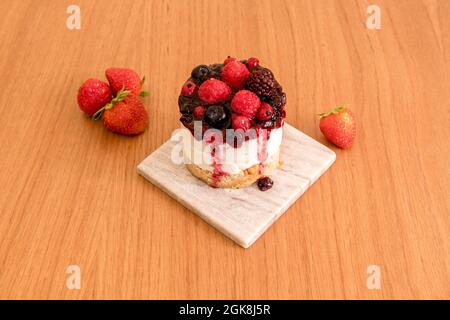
(70,194)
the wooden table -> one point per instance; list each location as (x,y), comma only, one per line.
(70,194)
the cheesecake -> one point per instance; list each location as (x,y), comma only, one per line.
(233,114)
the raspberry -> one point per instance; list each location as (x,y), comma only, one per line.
(229,59)
(252,63)
(188,89)
(245,103)
(212,91)
(235,74)
(198,112)
(240,122)
(265,112)
(261,82)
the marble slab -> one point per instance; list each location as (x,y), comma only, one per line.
(243,214)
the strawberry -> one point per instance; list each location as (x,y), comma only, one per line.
(93,95)
(125,115)
(339,126)
(125,78)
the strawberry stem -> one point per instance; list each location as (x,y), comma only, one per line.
(334,111)
(121,95)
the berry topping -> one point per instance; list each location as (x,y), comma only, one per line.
(261,82)
(93,95)
(229,59)
(188,89)
(252,63)
(265,112)
(265,183)
(245,103)
(235,74)
(213,91)
(198,112)
(238,94)
(240,122)
(200,73)
(216,116)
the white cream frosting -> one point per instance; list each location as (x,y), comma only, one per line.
(232,160)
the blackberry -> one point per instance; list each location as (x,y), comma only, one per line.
(261,82)
(278,100)
(200,73)
(275,115)
(215,71)
(187,104)
(187,121)
(265,183)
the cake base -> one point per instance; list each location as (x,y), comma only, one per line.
(235,181)
(242,214)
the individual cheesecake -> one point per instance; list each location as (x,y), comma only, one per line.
(234,113)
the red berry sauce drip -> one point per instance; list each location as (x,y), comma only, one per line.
(262,138)
(216,156)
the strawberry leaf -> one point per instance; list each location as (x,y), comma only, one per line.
(121,95)
(334,111)
(144,94)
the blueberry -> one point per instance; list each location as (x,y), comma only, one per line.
(278,100)
(216,116)
(265,183)
(200,73)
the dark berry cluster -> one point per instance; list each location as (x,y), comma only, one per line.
(234,94)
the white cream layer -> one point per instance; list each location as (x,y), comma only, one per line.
(232,160)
